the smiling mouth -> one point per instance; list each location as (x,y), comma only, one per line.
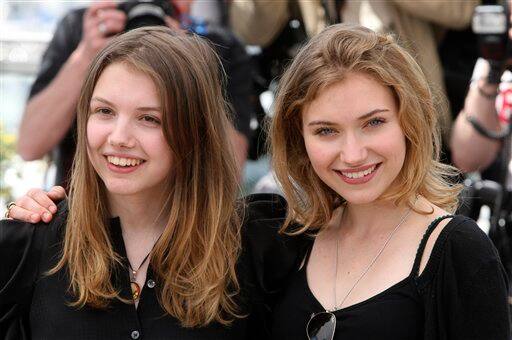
(124,162)
(359,174)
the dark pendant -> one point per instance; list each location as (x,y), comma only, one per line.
(135,290)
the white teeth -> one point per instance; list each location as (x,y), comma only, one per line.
(359,174)
(120,161)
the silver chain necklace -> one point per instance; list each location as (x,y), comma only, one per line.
(336,306)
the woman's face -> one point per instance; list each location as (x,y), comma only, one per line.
(126,144)
(353,138)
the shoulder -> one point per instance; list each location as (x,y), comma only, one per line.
(14,231)
(74,16)
(273,255)
(68,32)
(461,245)
(465,238)
(22,248)
(265,206)
(263,216)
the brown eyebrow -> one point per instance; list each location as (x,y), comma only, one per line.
(362,117)
(142,108)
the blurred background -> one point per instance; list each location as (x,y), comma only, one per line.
(25,30)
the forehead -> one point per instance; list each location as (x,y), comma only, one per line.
(124,83)
(356,95)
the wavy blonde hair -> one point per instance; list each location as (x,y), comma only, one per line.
(325,60)
(196,255)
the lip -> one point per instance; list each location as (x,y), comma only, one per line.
(362,180)
(123,155)
(122,169)
(361,168)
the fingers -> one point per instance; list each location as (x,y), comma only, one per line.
(56,194)
(101,20)
(24,215)
(35,206)
(99,6)
(110,22)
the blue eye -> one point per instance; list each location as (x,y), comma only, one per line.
(375,122)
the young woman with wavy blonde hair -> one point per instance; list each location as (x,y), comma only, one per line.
(149,243)
(355,146)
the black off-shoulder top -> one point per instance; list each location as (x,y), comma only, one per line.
(34,305)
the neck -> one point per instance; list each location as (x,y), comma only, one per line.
(365,219)
(138,214)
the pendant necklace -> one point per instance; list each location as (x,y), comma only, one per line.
(136,290)
(133,278)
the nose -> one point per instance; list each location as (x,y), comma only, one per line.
(121,134)
(353,150)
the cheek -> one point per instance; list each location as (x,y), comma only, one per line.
(157,146)
(397,149)
(96,134)
(320,154)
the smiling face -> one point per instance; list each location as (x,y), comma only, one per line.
(126,144)
(353,138)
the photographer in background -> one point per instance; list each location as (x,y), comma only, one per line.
(477,136)
(480,140)
(49,119)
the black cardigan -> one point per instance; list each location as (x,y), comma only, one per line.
(464,285)
(33,305)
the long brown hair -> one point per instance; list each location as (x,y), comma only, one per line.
(326,60)
(196,255)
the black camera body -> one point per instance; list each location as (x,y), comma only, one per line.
(491,25)
(142,13)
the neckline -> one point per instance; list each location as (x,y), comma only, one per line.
(412,277)
(304,277)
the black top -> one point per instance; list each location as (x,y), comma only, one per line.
(33,305)
(235,61)
(461,294)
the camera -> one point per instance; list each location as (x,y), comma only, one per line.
(142,13)
(491,24)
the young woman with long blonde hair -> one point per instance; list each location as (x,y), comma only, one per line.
(149,242)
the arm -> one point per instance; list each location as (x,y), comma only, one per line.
(50,113)
(470,150)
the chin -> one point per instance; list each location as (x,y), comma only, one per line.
(361,198)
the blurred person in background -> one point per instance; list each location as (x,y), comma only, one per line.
(48,122)
(418,26)
(488,106)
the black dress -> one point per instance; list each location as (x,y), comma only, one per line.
(461,294)
(35,305)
